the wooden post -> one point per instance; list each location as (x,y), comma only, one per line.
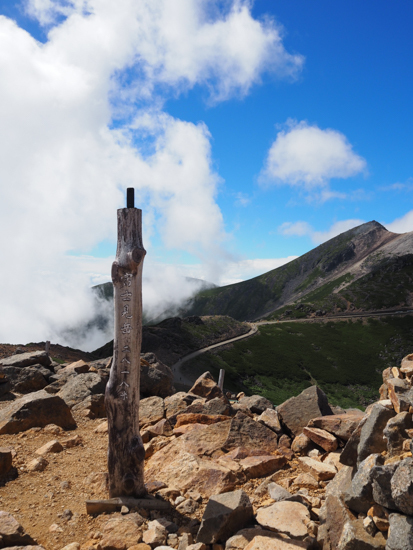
(47,347)
(221,379)
(125,452)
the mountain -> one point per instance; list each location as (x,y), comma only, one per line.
(365,268)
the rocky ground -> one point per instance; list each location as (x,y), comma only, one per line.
(230,474)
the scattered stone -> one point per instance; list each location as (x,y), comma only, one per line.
(382,493)
(306,481)
(74,441)
(296,412)
(177,403)
(395,432)
(121,533)
(194,418)
(223,516)
(217,406)
(53,446)
(380,517)
(277,492)
(285,517)
(187,507)
(102,428)
(319,470)
(155,537)
(93,406)
(341,425)
(275,542)
(406,366)
(27,379)
(81,386)
(348,456)
(301,445)
(37,464)
(320,437)
(35,409)
(72,546)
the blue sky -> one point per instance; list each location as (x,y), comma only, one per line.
(251,131)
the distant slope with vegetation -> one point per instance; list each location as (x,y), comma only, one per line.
(350,271)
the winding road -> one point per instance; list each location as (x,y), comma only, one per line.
(181,378)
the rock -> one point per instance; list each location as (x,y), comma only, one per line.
(359,497)
(322,438)
(37,464)
(380,516)
(79,367)
(27,359)
(12,533)
(120,533)
(349,455)
(277,492)
(382,493)
(205,386)
(402,486)
(395,432)
(371,436)
(71,546)
(218,406)
(285,517)
(340,425)
(102,428)
(284,446)
(197,546)
(187,507)
(81,386)
(406,366)
(266,542)
(296,412)
(400,535)
(163,427)
(256,403)
(156,378)
(26,379)
(245,432)
(301,445)
(305,480)
(319,470)
(6,461)
(177,403)
(260,466)
(397,390)
(185,541)
(155,537)
(53,446)
(93,406)
(186,428)
(271,419)
(151,410)
(206,439)
(224,515)
(188,418)
(74,441)
(333,459)
(241,539)
(35,409)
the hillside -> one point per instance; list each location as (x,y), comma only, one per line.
(351,271)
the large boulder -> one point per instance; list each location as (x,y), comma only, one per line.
(246,432)
(27,379)
(340,425)
(224,515)
(400,535)
(395,432)
(256,403)
(371,435)
(78,387)
(359,497)
(156,378)
(12,533)
(151,410)
(297,411)
(27,359)
(402,486)
(205,386)
(286,517)
(35,409)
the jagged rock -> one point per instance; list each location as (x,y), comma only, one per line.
(122,532)
(348,456)
(12,533)
(53,446)
(270,418)
(205,386)
(382,493)
(6,461)
(296,412)
(359,497)
(398,390)
(79,387)
(26,379)
(156,378)
(245,432)
(301,445)
(197,418)
(163,427)
(277,492)
(155,537)
(206,439)
(37,464)
(284,446)
(151,410)
(400,535)
(224,515)
(322,438)
(27,359)
(177,403)
(395,432)
(79,367)
(341,425)
(380,516)
(406,365)
(256,403)
(241,539)
(371,436)
(35,409)
(217,406)
(93,406)
(290,518)
(306,481)
(260,466)
(402,486)
(319,470)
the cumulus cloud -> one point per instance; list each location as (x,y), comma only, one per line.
(301,229)
(82,118)
(404,224)
(305,156)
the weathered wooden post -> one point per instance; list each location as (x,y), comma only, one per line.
(125,452)
(221,379)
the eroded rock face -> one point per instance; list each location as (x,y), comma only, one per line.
(223,516)
(35,409)
(296,412)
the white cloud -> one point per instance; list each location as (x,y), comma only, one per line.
(401,225)
(308,157)
(242,270)
(64,164)
(301,229)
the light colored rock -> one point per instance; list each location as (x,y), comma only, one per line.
(320,437)
(275,543)
(72,442)
(120,533)
(205,386)
(155,536)
(271,419)
(406,366)
(11,532)
(102,428)
(151,410)
(37,464)
(53,446)
(71,546)
(301,445)
(54,528)
(286,517)
(260,466)
(319,470)
(305,480)
(400,532)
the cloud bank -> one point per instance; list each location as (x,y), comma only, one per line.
(304,229)
(82,118)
